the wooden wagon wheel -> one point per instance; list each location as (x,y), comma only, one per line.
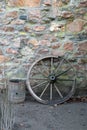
(51,80)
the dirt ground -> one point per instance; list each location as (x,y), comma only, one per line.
(31,115)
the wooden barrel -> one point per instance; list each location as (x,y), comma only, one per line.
(16,91)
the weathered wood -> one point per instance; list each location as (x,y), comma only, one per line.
(16,91)
(6,111)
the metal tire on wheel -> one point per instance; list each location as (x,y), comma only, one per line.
(51,80)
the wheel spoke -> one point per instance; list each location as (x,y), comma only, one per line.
(63,72)
(39,84)
(58,91)
(44,90)
(59,65)
(51,87)
(37,78)
(52,65)
(45,67)
(65,79)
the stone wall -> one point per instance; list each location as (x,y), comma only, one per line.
(52,28)
(29,3)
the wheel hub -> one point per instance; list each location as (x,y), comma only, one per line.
(52,78)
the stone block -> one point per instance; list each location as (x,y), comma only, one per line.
(29,3)
(39,28)
(12,14)
(68,47)
(8,28)
(4,58)
(17,22)
(75,26)
(11,51)
(34,42)
(57,52)
(83,46)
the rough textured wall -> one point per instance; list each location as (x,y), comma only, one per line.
(30,3)
(52,28)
